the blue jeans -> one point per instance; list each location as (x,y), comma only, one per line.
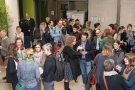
(27,42)
(85,68)
(34,88)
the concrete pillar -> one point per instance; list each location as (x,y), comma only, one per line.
(104,9)
(13,14)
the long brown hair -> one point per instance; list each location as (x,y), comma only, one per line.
(12,51)
(108,35)
(69,41)
(131,58)
(22,46)
(107,50)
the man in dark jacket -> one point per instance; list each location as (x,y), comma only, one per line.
(87,52)
(44,32)
(31,23)
(70,26)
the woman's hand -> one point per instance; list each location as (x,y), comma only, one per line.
(79,48)
(118,67)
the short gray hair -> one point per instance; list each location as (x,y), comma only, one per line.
(108,65)
(48,46)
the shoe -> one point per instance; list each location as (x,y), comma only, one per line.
(4,78)
(65,86)
(68,86)
(83,86)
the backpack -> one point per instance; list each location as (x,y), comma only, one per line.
(59,55)
(59,73)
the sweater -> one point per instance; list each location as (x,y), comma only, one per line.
(104,40)
(23,69)
(5,43)
(39,58)
(21,35)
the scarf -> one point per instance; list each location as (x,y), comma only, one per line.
(38,56)
(128,69)
(110,73)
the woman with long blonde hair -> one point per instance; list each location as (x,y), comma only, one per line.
(107,53)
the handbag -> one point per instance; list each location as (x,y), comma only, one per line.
(19,86)
(93,75)
(105,82)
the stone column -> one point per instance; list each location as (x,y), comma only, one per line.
(13,14)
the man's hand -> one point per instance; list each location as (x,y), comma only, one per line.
(1,47)
(84,52)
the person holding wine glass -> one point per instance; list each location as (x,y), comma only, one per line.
(87,51)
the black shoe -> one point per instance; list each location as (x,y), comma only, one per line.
(4,78)
(68,86)
(65,86)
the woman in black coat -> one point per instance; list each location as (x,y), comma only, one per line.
(71,64)
(12,65)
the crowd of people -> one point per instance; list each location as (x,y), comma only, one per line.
(30,60)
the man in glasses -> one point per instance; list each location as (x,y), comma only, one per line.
(97,39)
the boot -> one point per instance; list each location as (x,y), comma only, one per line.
(68,86)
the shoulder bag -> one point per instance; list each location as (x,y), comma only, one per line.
(105,82)
(93,73)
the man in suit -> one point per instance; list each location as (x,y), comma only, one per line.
(97,39)
(87,51)
(44,32)
(31,23)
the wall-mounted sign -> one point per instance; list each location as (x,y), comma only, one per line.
(52,12)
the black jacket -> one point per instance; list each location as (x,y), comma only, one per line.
(25,28)
(73,58)
(45,36)
(11,73)
(114,82)
(31,24)
(89,47)
(69,29)
(49,69)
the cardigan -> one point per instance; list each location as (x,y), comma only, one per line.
(23,69)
